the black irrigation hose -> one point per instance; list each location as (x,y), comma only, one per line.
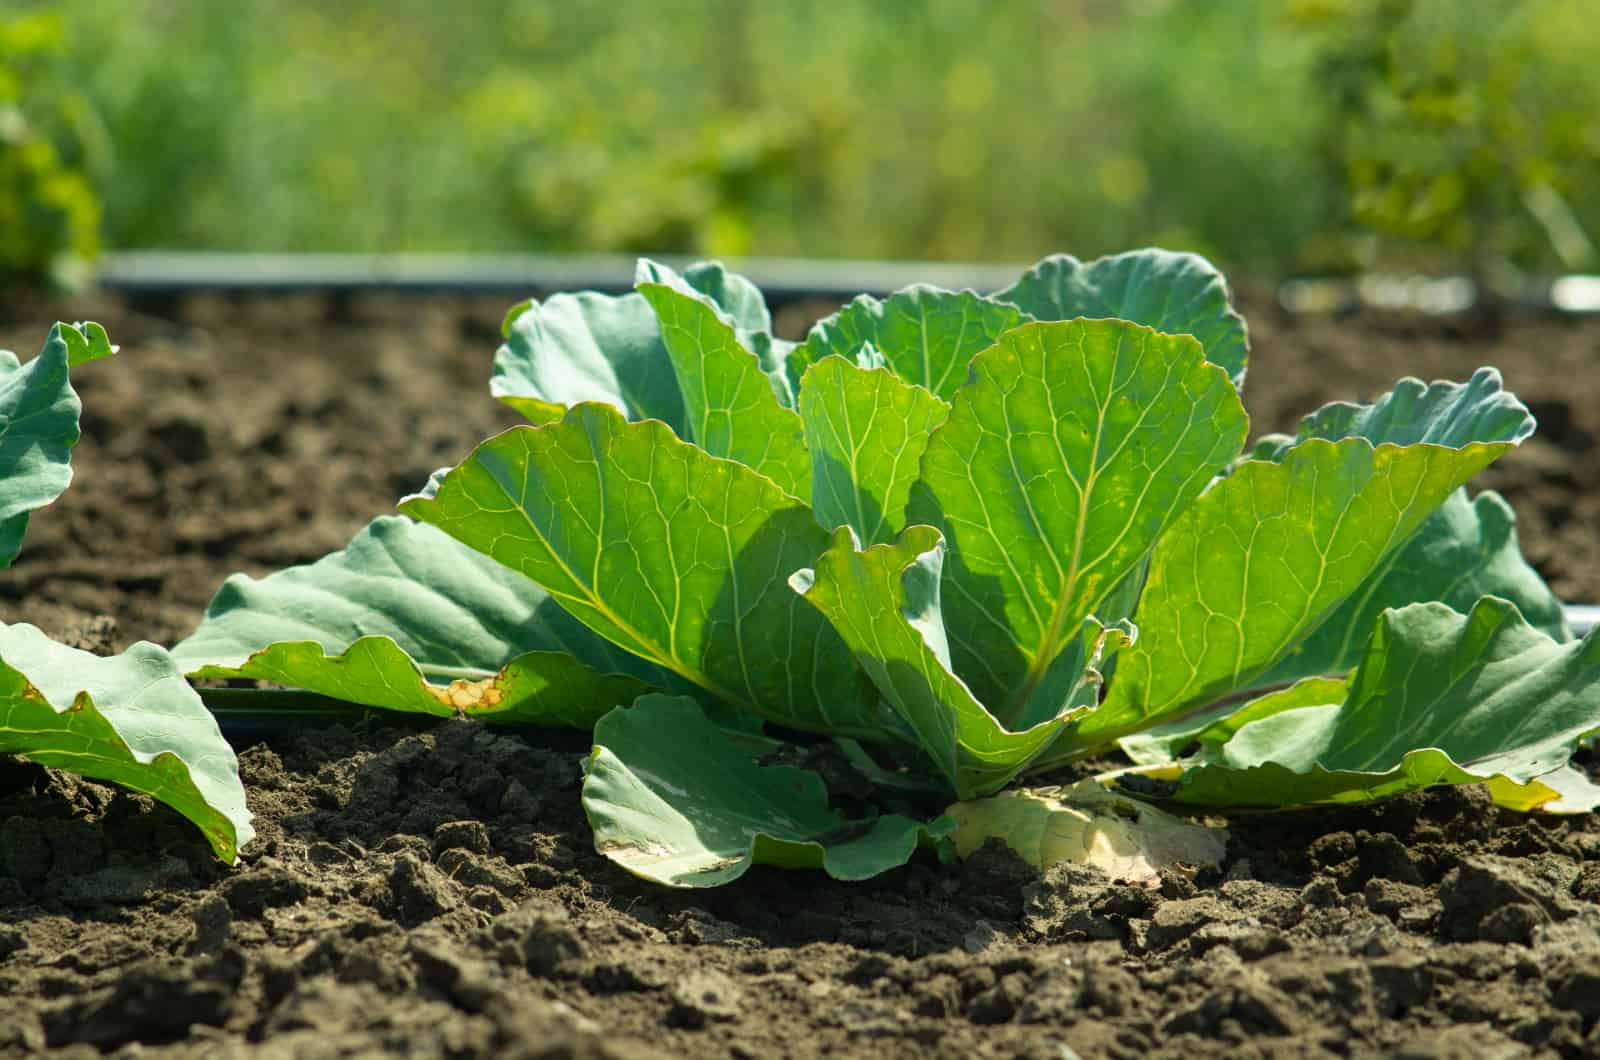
(165,274)
(247,716)
(784,281)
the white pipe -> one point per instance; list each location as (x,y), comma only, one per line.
(1583,617)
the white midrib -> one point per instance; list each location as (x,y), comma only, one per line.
(590,599)
(1053,632)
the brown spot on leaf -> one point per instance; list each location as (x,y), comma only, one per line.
(466,696)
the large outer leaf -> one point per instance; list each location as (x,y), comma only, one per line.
(1438,413)
(1180,294)
(927,335)
(884,602)
(1073,448)
(679,800)
(1440,698)
(131,719)
(675,555)
(732,403)
(39,426)
(593,347)
(1464,550)
(1257,563)
(866,430)
(404,602)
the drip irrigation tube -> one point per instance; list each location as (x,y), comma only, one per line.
(160,273)
(1582,618)
(783,280)
(248,716)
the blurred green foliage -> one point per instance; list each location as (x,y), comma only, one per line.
(1270,134)
(49,213)
(1465,126)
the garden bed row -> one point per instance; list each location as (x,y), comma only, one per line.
(436,893)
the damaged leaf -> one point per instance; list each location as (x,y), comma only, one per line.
(1087,825)
(406,618)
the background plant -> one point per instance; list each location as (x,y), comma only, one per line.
(49,148)
(1243,130)
(1450,128)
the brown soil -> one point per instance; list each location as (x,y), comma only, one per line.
(435,893)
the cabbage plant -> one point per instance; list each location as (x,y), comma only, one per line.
(131,719)
(945,547)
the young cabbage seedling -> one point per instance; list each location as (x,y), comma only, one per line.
(132,719)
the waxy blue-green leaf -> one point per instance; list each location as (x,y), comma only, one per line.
(884,601)
(39,426)
(1074,447)
(675,555)
(593,347)
(676,799)
(866,431)
(1180,294)
(1417,413)
(926,335)
(1440,698)
(1464,550)
(1259,561)
(131,719)
(734,407)
(586,347)
(407,618)
(735,295)
(746,307)
(1413,413)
